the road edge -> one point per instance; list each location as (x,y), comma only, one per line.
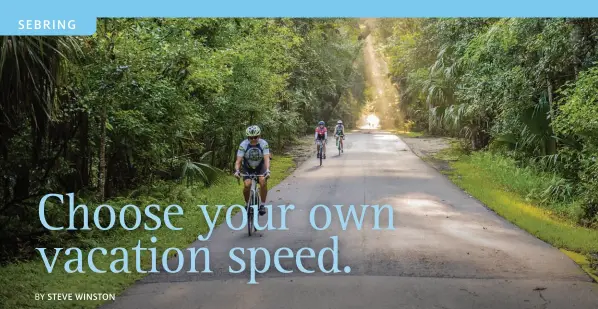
(430,161)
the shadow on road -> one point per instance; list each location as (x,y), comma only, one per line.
(313,168)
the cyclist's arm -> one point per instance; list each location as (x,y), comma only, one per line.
(267,162)
(266,155)
(240,154)
(326,134)
(238,163)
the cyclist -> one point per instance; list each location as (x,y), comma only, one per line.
(321,134)
(254,154)
(339,131)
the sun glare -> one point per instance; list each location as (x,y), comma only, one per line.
(373,121)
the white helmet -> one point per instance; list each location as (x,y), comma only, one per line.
(339,122)
(253,131)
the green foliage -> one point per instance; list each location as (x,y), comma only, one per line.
(150,100)
(579,107)
(577,118)
(19,279)
(496,182)
(524,87)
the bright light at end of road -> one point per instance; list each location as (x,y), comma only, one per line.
(373,120)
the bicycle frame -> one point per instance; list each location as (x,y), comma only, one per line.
(254,199)
(253,189)
(339,143)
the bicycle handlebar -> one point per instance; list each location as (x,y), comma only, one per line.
(250,175)
(256,175)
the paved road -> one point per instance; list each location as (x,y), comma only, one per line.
(447,250)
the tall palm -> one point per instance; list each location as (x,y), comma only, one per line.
(440,84)
(29,70)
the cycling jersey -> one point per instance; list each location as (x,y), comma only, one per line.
(339,129)
(253,155)
(321,133)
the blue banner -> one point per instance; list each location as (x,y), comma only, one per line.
(67,17)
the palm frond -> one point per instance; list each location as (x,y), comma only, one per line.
(192,171)
(29,67)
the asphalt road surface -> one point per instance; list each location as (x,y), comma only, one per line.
(446,250)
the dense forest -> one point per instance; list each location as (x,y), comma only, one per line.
(150,100)
(526,89)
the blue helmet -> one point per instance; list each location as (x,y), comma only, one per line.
(321,123)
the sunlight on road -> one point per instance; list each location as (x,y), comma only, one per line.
(427,207)
(371,122)
(385,137)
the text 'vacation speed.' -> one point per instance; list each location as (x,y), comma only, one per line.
(261,259)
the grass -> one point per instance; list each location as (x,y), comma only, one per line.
(513,193)
(583,262)
(20,281)
(545,190)
(409,133)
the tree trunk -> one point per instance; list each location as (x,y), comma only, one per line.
(231,150)
(84,154)
(102,155)
(430,118)
(211,148)
(279,137)
(551,142)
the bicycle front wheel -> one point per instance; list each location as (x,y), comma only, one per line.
(321,152)
(258,202)
(250,215)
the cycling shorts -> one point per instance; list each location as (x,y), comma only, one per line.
(259,170)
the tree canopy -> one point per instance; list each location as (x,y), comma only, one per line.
(526,87)
(147,100)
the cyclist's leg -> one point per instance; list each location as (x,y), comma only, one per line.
(246,189)
(320,146)
(246,184)
(263,190)
(263,194)
(317,149)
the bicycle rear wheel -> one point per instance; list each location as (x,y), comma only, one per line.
(250,215)
(258,202)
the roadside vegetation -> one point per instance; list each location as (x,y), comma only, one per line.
(151,111)
(520,93)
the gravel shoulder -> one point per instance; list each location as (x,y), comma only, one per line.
(427,147)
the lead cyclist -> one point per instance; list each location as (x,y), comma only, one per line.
(254,154)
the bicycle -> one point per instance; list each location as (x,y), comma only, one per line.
(254,199)
(339,145)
